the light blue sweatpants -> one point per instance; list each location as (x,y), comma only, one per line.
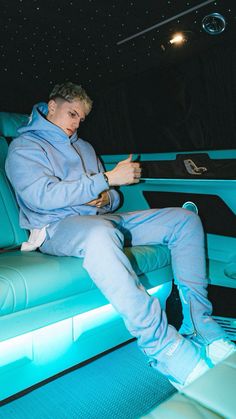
(100,240)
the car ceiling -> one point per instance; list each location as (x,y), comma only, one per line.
(85,41)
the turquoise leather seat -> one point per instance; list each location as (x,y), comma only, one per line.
(48,301)
(211,396)
(10,122)
(29,279)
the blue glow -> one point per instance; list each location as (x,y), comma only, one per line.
(60,335)
(42,353)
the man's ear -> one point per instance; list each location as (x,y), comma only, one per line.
(51,106)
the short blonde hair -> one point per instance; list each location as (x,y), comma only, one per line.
(70,91)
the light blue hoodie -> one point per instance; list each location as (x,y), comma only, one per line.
(54,176)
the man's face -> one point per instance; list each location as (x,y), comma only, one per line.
(66,115)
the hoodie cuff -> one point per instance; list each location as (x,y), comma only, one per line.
(100,184)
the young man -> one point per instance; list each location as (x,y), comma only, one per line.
(67,201)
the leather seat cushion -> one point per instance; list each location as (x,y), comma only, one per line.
(28,279)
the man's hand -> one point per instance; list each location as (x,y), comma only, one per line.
(126,172)
(101,201)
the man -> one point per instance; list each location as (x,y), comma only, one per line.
(67,201)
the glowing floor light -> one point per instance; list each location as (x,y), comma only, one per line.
(34,346)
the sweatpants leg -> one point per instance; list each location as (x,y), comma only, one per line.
(99,240)
(182,232)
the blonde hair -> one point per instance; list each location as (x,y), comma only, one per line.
(70,91)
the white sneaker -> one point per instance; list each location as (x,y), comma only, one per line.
(219,350)
(198,370)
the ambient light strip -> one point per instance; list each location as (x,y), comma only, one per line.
(62,333)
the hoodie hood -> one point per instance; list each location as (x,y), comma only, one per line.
(39,124)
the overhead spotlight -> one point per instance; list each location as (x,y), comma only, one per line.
(214,24)
(178,39)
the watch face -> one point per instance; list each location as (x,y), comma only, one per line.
(214,24)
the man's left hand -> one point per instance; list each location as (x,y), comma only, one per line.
(101,201)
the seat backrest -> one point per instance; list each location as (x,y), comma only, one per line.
(10,122)
(11,235)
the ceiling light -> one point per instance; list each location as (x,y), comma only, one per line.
(177,39)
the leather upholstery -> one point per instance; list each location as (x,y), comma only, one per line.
(28,279)
(211,396)
(10,122)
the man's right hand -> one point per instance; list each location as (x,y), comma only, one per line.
(125,172)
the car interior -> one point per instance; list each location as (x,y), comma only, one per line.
(64,350)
